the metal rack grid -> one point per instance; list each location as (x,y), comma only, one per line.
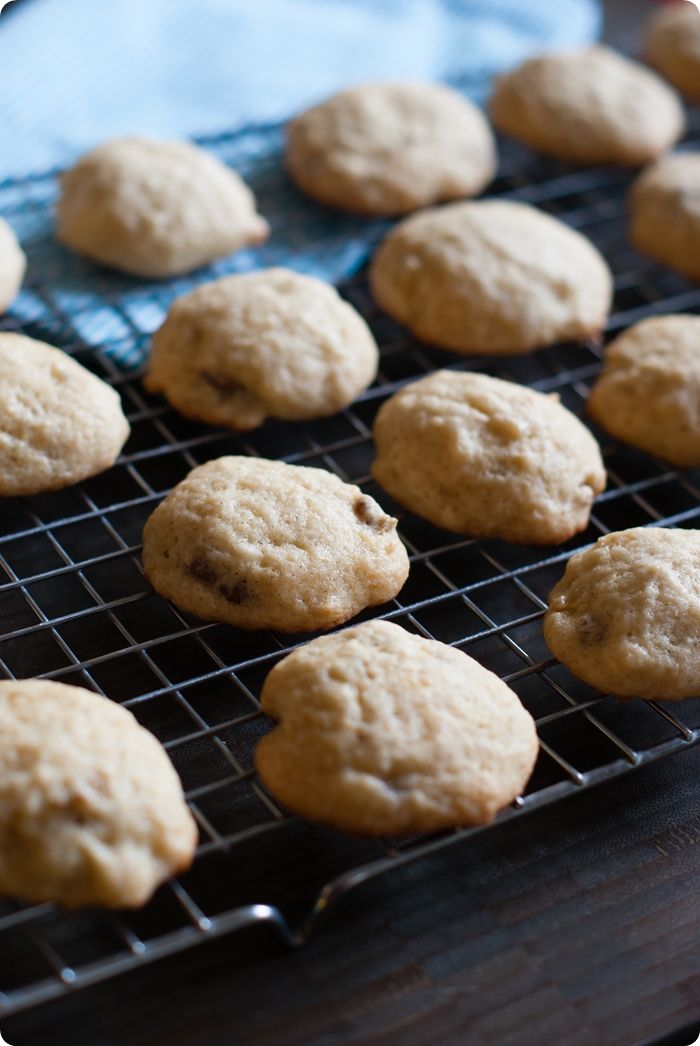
(74,605)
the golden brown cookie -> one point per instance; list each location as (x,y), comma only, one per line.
(665,213)
(491,277)
(262,544)
(649,391)
(59,424)
(625,617)
(390,148)
(384,733)
(487,457)
(591,106)
(154,208)
(273,343)
(91,809)
(672,45)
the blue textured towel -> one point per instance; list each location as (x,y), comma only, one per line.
(75,72)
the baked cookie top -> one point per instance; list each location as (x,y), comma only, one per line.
(384,733)
(389,148)
(649,391)
(12,265)
(91,809)
(672,45)
(262,544)
(274,343)
(625,617)
(591,106)
(155,208)
(59,423)
(487,457)
(665,212)
(491,277)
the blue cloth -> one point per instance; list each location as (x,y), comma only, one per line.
(75,72)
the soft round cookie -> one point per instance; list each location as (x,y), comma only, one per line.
(487,457)
(390,148)
(12,265)
(665,212)
(262,544)
(625,617)
(59,423)
(491,277)
(155,208)
(649,391)
(672,45)
(273,343)
(91,809)
(382,732)
(589,107)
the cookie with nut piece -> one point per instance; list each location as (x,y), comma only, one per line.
(263,544)
(271,343)
(382,732)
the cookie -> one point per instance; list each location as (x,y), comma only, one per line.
(91,809)
(390,148)
(12,265)
(487,457)
(672,46)
(649,391)
(491,277)
(154,208)
(665,217)
(273,343)
(382,732)
(588,107)
(625,617)
(59,424)
(262,544)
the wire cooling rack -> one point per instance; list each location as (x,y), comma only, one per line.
(74,605)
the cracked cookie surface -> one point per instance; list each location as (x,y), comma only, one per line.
(625,617)
(271,343)
(59,423)
(91,809)
(382,732)
(262,544)
(486,457)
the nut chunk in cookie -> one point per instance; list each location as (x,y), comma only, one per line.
(262,544)
(487,457)
(91,809)
(155,208)
(625,617)
(382,732)
(271,343)
(59,423)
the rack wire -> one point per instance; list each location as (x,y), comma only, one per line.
(74,605)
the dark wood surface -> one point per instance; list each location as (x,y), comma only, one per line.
(579,925)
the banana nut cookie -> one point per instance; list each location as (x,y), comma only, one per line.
(672,45)
(390,148)
(649,391)
(382,732)
(487,457)
(262,544)
(274,343)
(491,277)
(91,809)
(589,107)
(59,423)
(665,212)
(625,617)
(155,208)
(12,265)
